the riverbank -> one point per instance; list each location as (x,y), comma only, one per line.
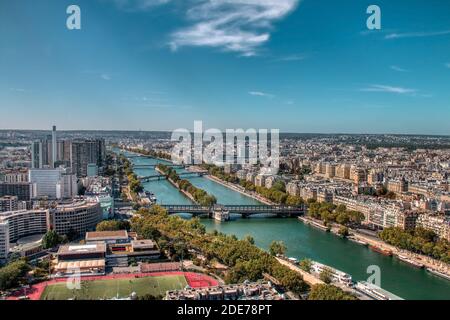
(234,187)
(185,193)
(428,262)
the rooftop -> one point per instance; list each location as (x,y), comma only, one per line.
(80,249)
(106,235)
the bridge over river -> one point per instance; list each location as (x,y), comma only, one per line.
(163,177)
(152,166)
(244,210)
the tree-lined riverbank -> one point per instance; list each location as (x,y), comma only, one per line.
(304,241)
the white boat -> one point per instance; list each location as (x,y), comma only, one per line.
(375,292)
(438,273)
(358,241)
(336,275)
(410,261)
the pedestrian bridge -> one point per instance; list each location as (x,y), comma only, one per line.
(244,210)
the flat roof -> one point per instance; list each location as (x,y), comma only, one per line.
(80,249)
(143,243)
(110,235)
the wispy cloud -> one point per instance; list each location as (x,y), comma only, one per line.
(416,34)
(240,26)
(292,57)
(447,65)
(388,89)
(105,76)
(136,5)
(261,94)
(398,69)
(17,89)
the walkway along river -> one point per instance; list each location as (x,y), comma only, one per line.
(304,241)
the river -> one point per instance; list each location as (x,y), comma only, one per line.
(304,241)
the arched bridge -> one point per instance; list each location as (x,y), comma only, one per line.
(163,177)
(244,210)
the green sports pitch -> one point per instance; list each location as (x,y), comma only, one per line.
(112,288)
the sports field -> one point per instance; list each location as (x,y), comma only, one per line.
(110,288)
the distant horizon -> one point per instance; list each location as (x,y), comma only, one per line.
(281,132)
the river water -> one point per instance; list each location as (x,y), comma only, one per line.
(304,241)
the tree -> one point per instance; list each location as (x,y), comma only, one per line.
(306,265)
(343,231)
(12,274)
(249,239)
(277,248)
(328,292)
(326,275)
(51,239)
(113,225)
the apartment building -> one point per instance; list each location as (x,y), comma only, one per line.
(439,224)
(25,223)
(397,186)
(23,190)
(78,217)
(11,203)
(4,240)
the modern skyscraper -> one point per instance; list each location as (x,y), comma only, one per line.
(54,146)
(87,152)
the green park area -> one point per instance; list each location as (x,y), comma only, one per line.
(111,288)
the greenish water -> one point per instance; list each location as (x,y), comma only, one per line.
(305,241)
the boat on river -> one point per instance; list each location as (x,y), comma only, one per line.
(381,250)
(438,273)
(411,261)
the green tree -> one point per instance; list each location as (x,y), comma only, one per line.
(277,248)
(306,265)
(13,273)
(113,225)
(343,231)
(51,239)
(328,292)
(249,239)
(326,275)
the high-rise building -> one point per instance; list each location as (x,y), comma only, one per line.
(50,153)
(54,154)
(53,183)
(23,190)
(86,152)
(36,155)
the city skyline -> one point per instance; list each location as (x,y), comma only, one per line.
(300,66)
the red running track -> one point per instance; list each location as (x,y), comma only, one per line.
(195,280)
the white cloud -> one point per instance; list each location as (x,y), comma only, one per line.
(388,89)
(293,57)
(17,89)
(397,68)
(138,4)
(232,25)
(416,34)
(105,76)
(447,65)
(261,94)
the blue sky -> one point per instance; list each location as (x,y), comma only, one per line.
(299,66)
